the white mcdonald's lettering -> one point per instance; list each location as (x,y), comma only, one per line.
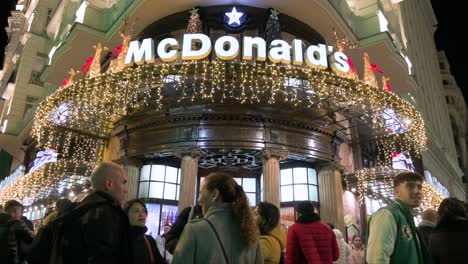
(227,48)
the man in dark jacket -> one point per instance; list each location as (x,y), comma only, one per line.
(13,232)
(427,225)
(101,233)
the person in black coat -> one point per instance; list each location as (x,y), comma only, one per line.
(13,233)
(449,240)
(144,248)
(188,213)
(427,225)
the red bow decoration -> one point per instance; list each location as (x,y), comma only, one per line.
(388,87)
(395,154)
(85,67)
(351,65)
(376,68)
(117,50)
(65,82)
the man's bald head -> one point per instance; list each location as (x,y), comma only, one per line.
(109,177)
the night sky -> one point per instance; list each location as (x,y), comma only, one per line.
(449,37)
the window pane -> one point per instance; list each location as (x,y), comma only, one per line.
(301,193)
(152,220)
(168,215)
(286,177)
(300,175)
(156,190)
(143,192)
(261,187)
(157,172)
(170,191)
(177,192)
(145,173)
(238,180)
(178,178)
(249,184)
(171,174)
(312,174)
(286,193)
(252,199)
(313,193)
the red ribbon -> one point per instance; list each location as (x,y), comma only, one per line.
(65,82)
(351,65)
(85,67)
(117,50)
(388,87)
(376,68)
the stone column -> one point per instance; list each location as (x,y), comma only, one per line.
(133,176)
(271,174)
(331,196)
(188,176)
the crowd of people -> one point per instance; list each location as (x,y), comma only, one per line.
(222,228)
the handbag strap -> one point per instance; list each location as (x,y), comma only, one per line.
(150,251)
(219,240)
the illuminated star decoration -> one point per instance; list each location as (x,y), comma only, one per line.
(235,18)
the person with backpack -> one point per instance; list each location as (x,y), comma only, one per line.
(144,246)
(272,237)
(227,234)
(13,233)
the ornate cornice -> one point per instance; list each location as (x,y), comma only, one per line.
(278,154)
(194,152)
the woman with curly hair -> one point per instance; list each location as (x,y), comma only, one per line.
(272,236)
(227,233)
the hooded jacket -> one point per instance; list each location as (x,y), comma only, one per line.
(344,248)
(272,245)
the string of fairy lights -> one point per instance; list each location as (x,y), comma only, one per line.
(377,183)
(78,118)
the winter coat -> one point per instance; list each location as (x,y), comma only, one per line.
(392,237)
(199,244)
(13,233)
(448,242)
(311,241)
(172,237)
(358,255)
(272,245)
(344,248)
(102,232)
(425,229)
(140,251)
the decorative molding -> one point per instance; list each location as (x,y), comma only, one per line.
(278,154)
(194,152)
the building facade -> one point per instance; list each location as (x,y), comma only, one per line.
(287,133)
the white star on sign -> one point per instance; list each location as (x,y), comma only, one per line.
(234,16)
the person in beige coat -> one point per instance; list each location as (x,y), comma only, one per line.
(227,233)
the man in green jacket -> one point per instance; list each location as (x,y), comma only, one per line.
(392,236)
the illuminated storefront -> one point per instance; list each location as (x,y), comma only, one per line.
(260,95)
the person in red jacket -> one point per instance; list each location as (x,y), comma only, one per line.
(309,240)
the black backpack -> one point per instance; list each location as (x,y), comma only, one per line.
(61,238)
